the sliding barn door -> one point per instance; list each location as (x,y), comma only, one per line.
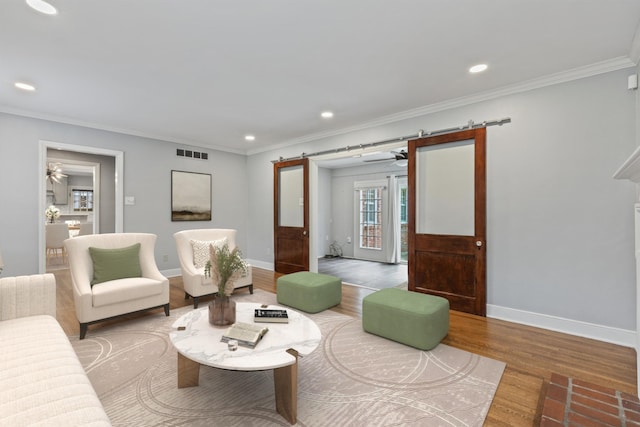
(291,216)
(447,218)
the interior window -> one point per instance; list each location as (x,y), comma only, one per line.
(82,200)
(371,218)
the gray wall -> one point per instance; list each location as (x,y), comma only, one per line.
(325,235)
(147,177)
(560,229)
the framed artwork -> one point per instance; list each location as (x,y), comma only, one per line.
(190,196)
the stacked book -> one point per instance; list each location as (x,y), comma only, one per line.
(270,315)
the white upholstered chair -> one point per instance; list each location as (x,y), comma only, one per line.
(55,235)
(193,278)
(120,295)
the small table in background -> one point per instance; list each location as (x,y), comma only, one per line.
(74,229)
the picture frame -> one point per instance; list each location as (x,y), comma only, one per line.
(190,196)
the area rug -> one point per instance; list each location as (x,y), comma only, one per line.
(353,378)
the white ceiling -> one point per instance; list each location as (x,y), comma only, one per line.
(206,72)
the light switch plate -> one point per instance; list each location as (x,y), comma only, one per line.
(129,200)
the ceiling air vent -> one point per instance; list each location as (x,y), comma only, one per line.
(181,152)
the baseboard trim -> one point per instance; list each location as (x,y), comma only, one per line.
(623,337)
(261,264)
(173,272)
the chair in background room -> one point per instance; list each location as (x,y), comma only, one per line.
(114,274)
(193,253)
(55,235)
(85,229)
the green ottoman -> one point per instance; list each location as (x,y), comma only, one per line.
(411,318)
(310,292)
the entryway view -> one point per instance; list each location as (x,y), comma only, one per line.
(363,217)
(79,199)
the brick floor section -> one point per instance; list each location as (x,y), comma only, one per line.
(571,403)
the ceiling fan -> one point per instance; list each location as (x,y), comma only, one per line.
(54,173)
(400,158)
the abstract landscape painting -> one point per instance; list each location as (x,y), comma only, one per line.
(190,196)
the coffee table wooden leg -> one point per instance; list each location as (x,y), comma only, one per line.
(188,372)
(286,383)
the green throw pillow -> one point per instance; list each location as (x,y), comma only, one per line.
(112,264)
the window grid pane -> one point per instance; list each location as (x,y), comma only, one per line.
(403,205)
(83,200)
(371,218)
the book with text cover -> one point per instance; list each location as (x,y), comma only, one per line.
(270,315)
(246,334)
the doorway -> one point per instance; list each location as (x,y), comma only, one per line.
(345,192)
(114,176)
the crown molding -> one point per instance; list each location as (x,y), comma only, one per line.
(630,169)
(550,80)
(98,126)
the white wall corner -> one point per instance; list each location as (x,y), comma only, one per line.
(623,337)
(634,52)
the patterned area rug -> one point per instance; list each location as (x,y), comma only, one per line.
(353,378)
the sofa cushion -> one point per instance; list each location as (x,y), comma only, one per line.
(42,381)
(118,263)
(201,250)
(124,290)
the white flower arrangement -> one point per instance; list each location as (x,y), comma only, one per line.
(52,213)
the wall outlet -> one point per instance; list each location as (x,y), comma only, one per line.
(348,239)
(165,258)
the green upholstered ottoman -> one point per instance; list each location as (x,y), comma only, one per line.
(411,318)
(310,292)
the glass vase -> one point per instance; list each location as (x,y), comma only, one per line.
(222,311)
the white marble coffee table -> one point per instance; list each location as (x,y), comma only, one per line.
(199,344)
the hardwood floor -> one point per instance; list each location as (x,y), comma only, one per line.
(531,354)
(371,274)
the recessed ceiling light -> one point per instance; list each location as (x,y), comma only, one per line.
(42,7)
(249,138)
(478,68)
(326,114)
(25,86)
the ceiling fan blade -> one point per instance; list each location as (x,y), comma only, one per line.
(401,155)
(379,160)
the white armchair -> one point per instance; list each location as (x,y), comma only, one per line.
(193,277)
(121,295)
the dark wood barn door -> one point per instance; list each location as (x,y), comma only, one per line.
(291,216)
(447,218)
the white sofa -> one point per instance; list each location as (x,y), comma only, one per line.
(193,278)
(41,379)
(106,300)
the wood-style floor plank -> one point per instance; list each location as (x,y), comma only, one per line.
(531,354)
